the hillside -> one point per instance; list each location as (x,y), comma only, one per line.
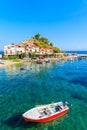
(41,42)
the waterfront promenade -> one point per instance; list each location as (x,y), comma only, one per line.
(7,63)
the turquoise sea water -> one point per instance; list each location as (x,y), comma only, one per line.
(44,84)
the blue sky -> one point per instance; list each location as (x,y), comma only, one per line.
(63,22)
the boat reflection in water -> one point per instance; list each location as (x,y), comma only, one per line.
(51,123)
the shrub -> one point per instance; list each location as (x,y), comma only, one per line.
(12,57)
(46,56)
(16,60)
(32,54)
(5,57)
(56,50)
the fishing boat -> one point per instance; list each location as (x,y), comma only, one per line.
(45,113)
(23,69)
(47,61)
(39,62)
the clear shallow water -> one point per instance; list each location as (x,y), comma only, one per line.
(43,84)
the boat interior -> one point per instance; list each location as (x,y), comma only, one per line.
(51,109)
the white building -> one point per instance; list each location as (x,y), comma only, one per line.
(44,51)
(32,48)
(9,50)
(20,48)
(14,49)
(0,56)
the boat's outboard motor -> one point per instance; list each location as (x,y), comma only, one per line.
(68,104)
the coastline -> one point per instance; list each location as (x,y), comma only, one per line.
(10,62)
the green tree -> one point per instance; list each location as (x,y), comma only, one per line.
(23,55)
(45,40)
(56,50)
(5,57)
(36,43)
(37,36)
(54,55)
(17,54)
(46,56)
(32,54)
(51,44)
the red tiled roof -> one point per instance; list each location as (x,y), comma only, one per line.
(21,45)
(32,45)
(45,49)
